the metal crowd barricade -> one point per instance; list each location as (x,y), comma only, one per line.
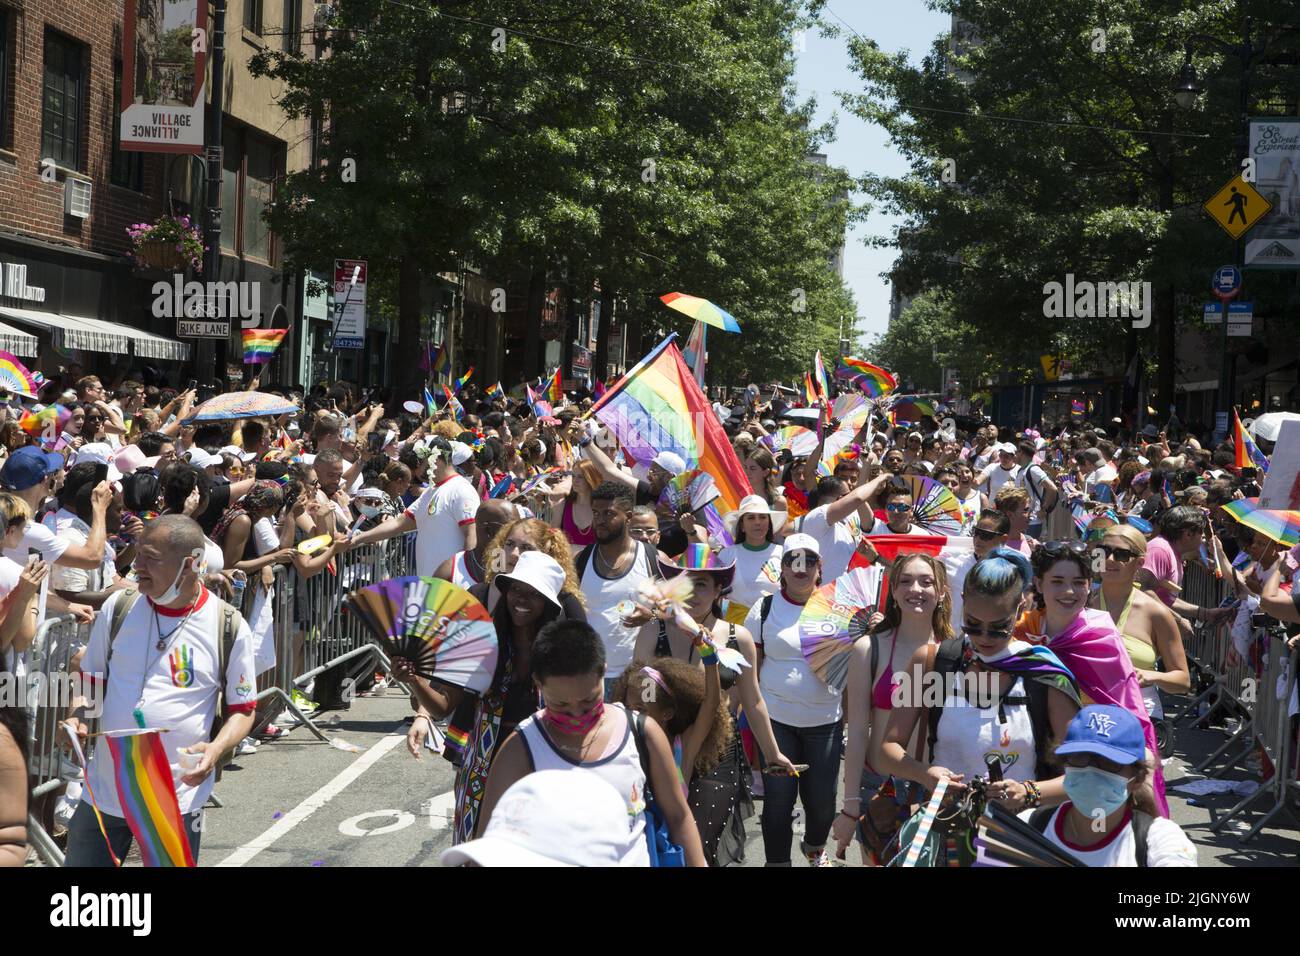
(50,690)
(1202,588)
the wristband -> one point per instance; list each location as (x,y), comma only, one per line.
(855,819)
(1033,795)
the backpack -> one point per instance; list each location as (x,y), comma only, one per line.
(1037,492)
(663,852)
(230,618)
(764,609)
(1141,826)
(947,660)
(583,558)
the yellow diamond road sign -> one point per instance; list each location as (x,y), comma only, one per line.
(1237,206)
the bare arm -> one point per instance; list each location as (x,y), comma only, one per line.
(1273,602)
(508,766)
(597,456)
(13,803)
(388,528)
(1175,678)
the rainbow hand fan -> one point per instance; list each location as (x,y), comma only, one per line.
(834,618)
(934,507)
(444,632)
(16,377)
(689,491)
(799,441)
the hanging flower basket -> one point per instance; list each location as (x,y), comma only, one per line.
(168,244)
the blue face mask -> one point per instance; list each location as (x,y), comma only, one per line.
(1091,789)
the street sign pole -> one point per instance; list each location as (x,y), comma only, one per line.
(1226,284)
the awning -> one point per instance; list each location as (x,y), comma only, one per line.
(147,345)
(69,332)
(17,342)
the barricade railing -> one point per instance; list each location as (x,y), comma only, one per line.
(50,689)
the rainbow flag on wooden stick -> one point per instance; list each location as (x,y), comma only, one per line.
(260,344)
(148,797)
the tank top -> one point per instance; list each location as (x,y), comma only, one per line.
(970,510)
(882,695)
(461,574)
(967,734)
(571,530)
(621,769)
(1142,654)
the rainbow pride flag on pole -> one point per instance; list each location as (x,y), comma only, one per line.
(1247,452)
(453,403)
(555,390)
(819,376)
(148,797)
(657,406)
(872,379)
(809,391)
(460,382)
(495,392)
(260,344)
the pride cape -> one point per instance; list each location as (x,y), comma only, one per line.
(657,406)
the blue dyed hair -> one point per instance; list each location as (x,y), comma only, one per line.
(1000,572)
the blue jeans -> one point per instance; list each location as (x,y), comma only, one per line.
(86,844)
(819,748)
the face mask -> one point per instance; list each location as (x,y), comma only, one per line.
(368,511)
(197,563)
(1091,789)
(991,658)
(568,724)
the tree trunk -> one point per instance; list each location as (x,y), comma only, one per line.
(600,361)
(1166,353)
(409,377)
(533,340)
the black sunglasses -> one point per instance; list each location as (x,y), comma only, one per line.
(986,535)
(1119,554)
(1054,548)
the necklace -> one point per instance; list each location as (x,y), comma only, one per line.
(612,569)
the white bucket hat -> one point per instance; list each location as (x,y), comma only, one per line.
(101,454)
(752,505)
(553,818)
(539,571)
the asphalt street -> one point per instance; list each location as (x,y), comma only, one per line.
(301,802)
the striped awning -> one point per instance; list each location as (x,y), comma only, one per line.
(146,344)
(70,332)
(18,342)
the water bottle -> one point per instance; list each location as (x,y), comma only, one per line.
(237,584)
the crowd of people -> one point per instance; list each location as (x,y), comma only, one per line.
(643,643)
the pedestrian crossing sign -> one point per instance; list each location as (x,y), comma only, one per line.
(1237,206)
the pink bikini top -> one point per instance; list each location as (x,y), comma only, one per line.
(882,695)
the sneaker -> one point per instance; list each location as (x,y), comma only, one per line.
(273,732)
(815,857)
(246,746)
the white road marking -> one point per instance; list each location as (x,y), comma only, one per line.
(317,800)
(441,810)
(352,825)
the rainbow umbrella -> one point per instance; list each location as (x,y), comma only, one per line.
(233,405)
(1280,526)
(701,310)
(835,616)
(907,408)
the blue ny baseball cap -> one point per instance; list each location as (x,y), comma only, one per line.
(28,466)
(1108,731)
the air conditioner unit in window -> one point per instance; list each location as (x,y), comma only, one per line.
(76,198)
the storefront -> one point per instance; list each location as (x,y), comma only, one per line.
(63,309)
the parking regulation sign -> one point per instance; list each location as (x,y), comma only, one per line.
(349,303)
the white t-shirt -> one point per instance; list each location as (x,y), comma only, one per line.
(265,536)
(51,548)
(999,476)
(1167,844)
(836,542)
(758,572)
(64,578)
(1034,480)
(178,685)
(795,695)
(882,527)
(440,514)
(604,595)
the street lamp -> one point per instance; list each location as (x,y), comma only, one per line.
(1186,89)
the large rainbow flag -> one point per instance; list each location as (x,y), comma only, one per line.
(872,379)
(260,344)
(1247,452)
(148,797)
(657,406)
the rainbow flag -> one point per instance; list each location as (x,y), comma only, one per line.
(541,408)
(260,344)
(872,379)
(430,406)
(819,376)
(657,406)
(453,403)
(460,382)
(148,797)
(436,359)
(49,421)
(1247,452)
(555,390)
(1076,407)
(495,392)
(809,391)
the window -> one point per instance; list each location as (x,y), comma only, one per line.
(5,60)
(259,178)
(232,144)
(64,93)
(127,165)
(292,25)
(250,167)
(253,16)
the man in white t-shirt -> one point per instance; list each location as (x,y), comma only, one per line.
(163,669)
(995,476)
(442,517)
(827,522)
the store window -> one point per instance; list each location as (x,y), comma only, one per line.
(62,100)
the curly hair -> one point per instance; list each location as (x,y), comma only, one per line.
(686,688)
(447,429)
(549,540)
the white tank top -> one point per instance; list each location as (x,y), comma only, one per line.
(460,575)
(967,733)
(621,769)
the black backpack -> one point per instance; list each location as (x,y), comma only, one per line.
(948,660)
(583,558)
(1141,826)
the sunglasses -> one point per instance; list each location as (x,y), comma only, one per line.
(985,535)
(1119,554)
(1055,548)
(1081,760)
(788,560)
(643,532)
(897,508)
(996,634)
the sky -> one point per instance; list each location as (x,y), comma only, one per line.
(822,68)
